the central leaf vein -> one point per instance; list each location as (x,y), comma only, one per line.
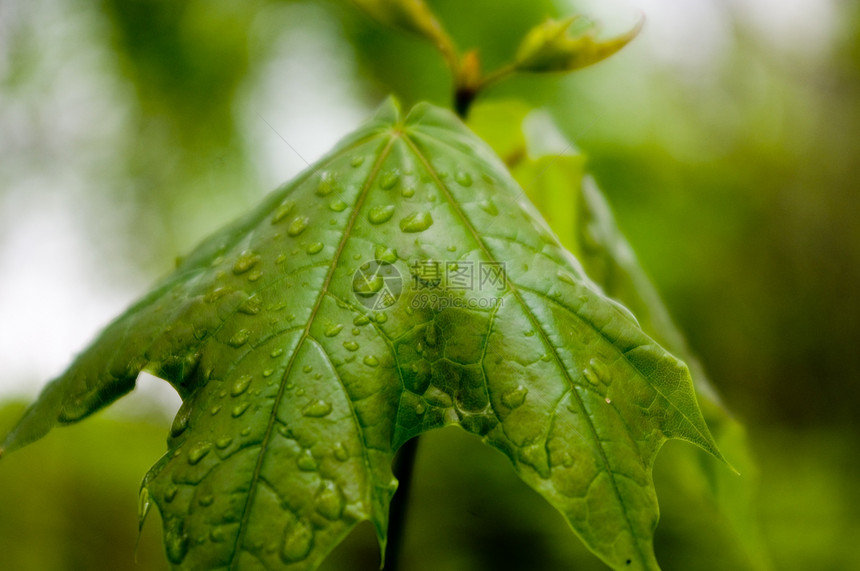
(243,525)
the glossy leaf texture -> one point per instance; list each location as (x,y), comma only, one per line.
(576,208)
(303,365)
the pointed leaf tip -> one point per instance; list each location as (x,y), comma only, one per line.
(548,47)
(389,111)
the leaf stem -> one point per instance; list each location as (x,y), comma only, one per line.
(404,467)
(463,99)
(465,94)
(498,75)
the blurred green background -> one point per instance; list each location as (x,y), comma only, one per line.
(727,138)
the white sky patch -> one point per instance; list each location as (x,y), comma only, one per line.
(49,305)
(803,29)
(305,92)
(693,33)
(54,295)
(690,35)
(61,126)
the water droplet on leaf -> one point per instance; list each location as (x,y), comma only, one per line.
(252,305)
(430,335)
(239,338)
(317,409)
(416,222)
(337,205)
(463,178)
(217,294)
(180,421)
(283,211)
(566,277)
(198,451)
(330,501)
(489,207)
(327,184)
(217,534)
(367,286)
(380,214)
(175,540)
(596,372)
(419,380)
(241,385)
(306,462)
(298,542)
(385,254)
(340,452)
(245,262)
(298,225)
(515,397)
(389,179)
(333,330)
(144,502)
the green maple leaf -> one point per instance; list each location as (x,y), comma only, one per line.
(307,345)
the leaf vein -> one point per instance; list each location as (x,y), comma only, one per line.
(536,323)
(334,262)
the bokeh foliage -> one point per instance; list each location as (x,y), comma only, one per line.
(735,184)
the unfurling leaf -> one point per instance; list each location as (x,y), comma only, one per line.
(401,284)
(548,47)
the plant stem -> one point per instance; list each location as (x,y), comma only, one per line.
(404,466)
(464,95)
(463,99)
